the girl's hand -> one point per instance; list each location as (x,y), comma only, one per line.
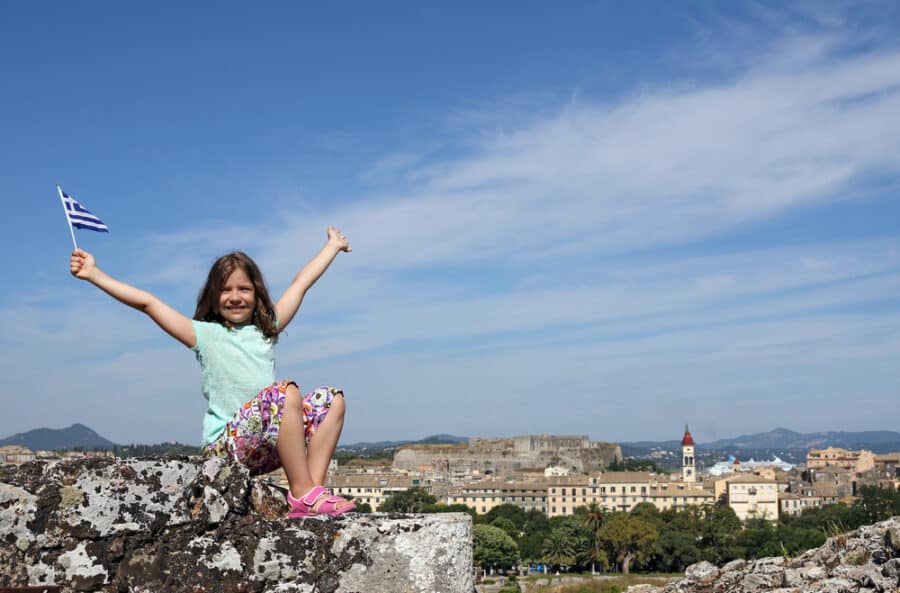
(338,240)
(82,264)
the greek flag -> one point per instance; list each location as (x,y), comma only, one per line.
(79,216)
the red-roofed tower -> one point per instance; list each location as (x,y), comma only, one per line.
(688,471)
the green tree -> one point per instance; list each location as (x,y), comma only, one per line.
(413,500)
(363,507)
(507,511)
(592,518)
(719,529)
(535,530)
(829,519)
(677,550)
(799,539)
(758,539)
(493,547)
(559,548)
(635,465)
(648,512)
(875,504)
(630,539)
(508,526)
(450,508)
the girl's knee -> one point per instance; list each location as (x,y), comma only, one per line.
(292,397)
(338,405)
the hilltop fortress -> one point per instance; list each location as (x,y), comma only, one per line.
(506,456)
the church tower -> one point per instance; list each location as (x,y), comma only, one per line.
(688,471)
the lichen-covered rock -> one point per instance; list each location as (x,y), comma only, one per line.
(892,539)
(864,560)
(702,573)
(191,524)
(643,588)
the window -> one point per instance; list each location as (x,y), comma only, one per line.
(634,489)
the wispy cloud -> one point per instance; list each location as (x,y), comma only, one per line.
(532,262)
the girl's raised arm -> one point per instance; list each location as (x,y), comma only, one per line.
(175,324)
(289,302)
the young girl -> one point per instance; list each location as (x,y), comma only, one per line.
(233,333)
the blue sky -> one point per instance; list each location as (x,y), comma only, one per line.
(578,218)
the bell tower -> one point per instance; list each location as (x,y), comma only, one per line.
(688,471)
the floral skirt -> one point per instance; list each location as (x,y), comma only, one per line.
(251,436)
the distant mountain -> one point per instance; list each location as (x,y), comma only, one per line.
(782,438)
(76,436)
(438,439)
(879,441)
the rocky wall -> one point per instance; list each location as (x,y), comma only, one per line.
(196,525)
(861,561)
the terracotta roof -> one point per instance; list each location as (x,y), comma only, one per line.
(624,477)
(688,440)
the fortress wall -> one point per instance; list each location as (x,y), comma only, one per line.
(190,524)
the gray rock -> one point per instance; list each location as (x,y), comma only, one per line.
(835,585)
(702,573)
(738,564)
(824,557)
(761,582)
(791,578)
(868,576)
(891,568)
(856,556)
(643,588)
(813,573)
(858,561)
(190,524)
(892,540)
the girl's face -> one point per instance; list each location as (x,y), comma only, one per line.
(237,299)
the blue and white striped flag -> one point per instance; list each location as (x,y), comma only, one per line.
(79,216)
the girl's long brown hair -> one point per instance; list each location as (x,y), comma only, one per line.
(208,298)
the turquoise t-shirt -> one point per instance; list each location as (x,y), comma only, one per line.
(236,364)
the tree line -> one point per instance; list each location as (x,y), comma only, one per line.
(646,538)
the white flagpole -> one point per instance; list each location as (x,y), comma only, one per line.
(66,212)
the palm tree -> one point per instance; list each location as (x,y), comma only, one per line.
(592,520)
(558,548)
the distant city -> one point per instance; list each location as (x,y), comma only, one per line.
(765,475)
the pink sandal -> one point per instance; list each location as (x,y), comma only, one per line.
(305,506)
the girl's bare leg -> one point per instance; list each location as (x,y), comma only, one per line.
(292,444)
(324,441)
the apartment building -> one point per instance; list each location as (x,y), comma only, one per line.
(622,491)
(794,504)
(483,496)
(15,454)
(752,496)
(887,466)
(852,461)
(677,495)
(373,488)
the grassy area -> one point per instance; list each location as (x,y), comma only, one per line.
(604,584)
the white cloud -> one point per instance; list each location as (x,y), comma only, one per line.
(491,291)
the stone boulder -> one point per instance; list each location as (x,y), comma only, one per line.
(864,560)
(204,525)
